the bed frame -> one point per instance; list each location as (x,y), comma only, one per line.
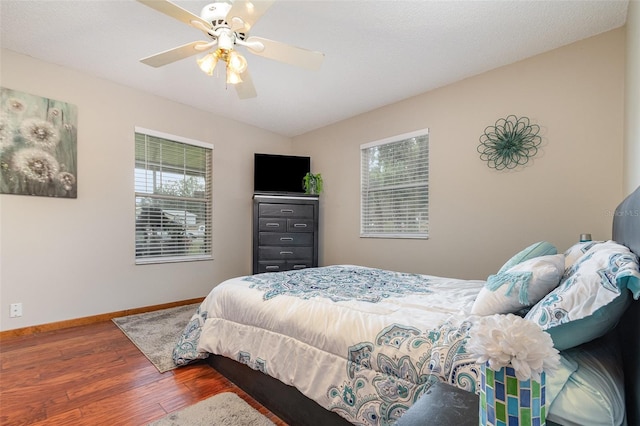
(296,409)
(626,230)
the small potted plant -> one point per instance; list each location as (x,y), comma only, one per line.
(312,183)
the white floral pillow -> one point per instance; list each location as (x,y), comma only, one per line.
(591,297)
(520,286)
(577,250)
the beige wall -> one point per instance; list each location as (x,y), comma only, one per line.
(66,259)
(478,216)
(632,100)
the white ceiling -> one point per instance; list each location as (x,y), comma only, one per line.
(377,52)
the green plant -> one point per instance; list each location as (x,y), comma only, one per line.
(313,183)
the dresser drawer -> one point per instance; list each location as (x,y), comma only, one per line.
(299,225)
(279,266)
(285,225)
(272,224)
(271,266)
(285,210)
(286,239)
(285,252)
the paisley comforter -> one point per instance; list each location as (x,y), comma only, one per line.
(363,342)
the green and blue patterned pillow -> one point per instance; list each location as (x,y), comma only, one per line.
(591,297)
(576,251)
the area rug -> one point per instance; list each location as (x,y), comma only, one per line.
(156,333)
(226,409)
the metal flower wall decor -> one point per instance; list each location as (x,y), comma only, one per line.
(511,142)
(38,145)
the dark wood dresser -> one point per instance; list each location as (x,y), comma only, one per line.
(285,232)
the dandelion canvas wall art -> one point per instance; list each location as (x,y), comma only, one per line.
(38,145)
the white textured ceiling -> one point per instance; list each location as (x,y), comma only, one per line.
(377,52)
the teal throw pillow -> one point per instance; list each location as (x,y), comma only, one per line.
(538,249)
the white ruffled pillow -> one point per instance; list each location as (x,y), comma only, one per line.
(520,286)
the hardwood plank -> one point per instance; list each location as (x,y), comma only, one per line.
(140,403)
(71,417)
(93,374)
(108,381)
(28,356)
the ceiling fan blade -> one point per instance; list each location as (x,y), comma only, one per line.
(246,89)
(292,55)
(177,53)
(248,11)
(176,12)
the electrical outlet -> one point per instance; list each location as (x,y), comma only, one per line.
(16,310)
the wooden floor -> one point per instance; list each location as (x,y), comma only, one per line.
(94,375)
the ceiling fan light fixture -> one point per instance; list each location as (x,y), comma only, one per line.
(233,77)
(236,62)
(208,63)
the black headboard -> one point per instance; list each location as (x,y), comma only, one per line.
(626,230)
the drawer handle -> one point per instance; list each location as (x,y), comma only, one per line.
(299,266)
(299,225)
(272,268)
(286,210)
(286,239)
(286,252)
(273,225)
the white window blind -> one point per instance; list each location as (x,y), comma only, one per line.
(395,187)
(173,196)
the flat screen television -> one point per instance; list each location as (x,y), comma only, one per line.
(280,173)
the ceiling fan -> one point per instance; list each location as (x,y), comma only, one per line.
(227,25)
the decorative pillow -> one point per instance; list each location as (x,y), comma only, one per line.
(541,248)
(576,251)
(575,333)
(520,286)
(633,285)
(592,290)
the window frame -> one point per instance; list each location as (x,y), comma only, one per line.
(396,233)
(207,200)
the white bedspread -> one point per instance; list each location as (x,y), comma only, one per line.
(362,342)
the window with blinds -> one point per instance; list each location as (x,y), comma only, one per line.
(395,187)
(173,178)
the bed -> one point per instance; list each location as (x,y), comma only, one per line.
(347,344)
